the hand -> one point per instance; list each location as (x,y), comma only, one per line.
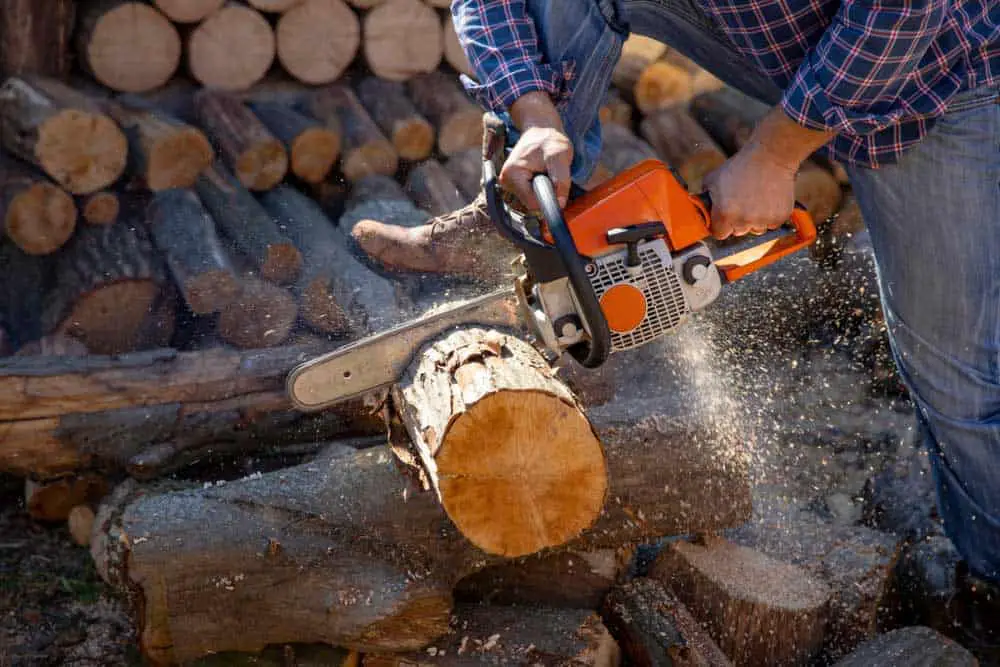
(750,194)
(539,150)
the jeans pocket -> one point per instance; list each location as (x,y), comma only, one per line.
(974,99)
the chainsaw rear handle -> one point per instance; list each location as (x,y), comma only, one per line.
(746,261)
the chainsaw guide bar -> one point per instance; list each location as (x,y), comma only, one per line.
(379,361)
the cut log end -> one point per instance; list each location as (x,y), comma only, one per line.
(462,131)
(113,48)
(261,316)
(101,208)
(282,263)
(188,11)
(313,154)
(369,159)
(321,309)
(262,166)
(232,49)
(414,140)
(41,219)
(317,40)
(176,160)
(402,38)
(661,85)
(103,325)
(210,291)
(82,151)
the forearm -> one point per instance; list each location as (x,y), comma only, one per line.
(535,109)
(780,141)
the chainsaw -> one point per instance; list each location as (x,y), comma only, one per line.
(622,265)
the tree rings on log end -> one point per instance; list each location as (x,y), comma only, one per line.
(263,166)
(317,40)
(402,38)
(81,151)
(232,49)
(210,291)
(461,131)
(133,48)
(282,263)
(177,160)
(101,208)
(372,158)
(189,11)
(41,219)
(413,139)
(112,319)
(313,154)
(660,85)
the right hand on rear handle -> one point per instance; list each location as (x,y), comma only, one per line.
(543,148)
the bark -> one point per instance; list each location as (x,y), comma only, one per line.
(254,155)
(232,49)
(100,208)
(454,54)
(411,134)
(262,315)
(317,40)
(108,283)
(490,468)
(53,500)
(466,169)
(441,99)
(760,610)
(60,130)
(915,646)
(683,144)
(27,280)
(188,11)
(616,110)
(402,39)
(247,226)
(185,233)
(365,150)
(622,149)
(312,147)
(483,635)
(336,292)
(38,215)
(164,152)
(432,189)
(35,37)
(107,37)
(653,628)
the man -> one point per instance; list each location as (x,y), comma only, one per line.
(904,93)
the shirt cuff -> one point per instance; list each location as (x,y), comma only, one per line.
(502,90)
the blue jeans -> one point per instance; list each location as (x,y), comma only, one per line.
(934,221)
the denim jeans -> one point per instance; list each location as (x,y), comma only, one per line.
(934,221)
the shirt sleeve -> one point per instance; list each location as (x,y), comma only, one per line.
(849,82)
(501,42)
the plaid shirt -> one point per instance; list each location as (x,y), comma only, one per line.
(877,72)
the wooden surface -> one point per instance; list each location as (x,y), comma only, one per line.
(915,646)
(261,315)
(402,39)
(317,40)
(386,101)
(37,214)
(365,149)
(431,187)
(313,147)
(232,49)
(100,208)
(441,99)
(188,11)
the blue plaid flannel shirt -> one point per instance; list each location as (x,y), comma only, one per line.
(877,72)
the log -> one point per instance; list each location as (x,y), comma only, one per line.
(299,655)
(647,78)
(127,46)
(911,646)
(638,53)
(466,170)
(336,292)
(262,315)
(410,133)
(654,628)
(108,282)
(185,233)
(164,152)
(27,281)
(402,39)
(683,144)
(6,347)
(247,226)
(551,470)
(432,189)
(484,635)
(254,155)
(188,11)
(454,54)
(760,610)
(730,116)
(55,345)
(35,37)
(441,99)
(365,150)
(621,149)
(80,523)
(616,110)
(54,499)
(48,124)
(38,215)
(274,6)
(100,208)
(312,147)
(232,49)
(317,40)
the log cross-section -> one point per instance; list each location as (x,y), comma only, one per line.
(386,101)
(402,39)
(512,456)
(365,149)
(317,40)
(441,99)
(37,214)
(232,49)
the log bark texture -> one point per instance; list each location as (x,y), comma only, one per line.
(649,78)
(653,627)
(232,49)
(622,149)
(185,233)
(127,46)
(365,149)
(317,40)
(312,147)
(241,218)
(432,189)
(441,99)
(915,646)
(35,37)
(410,133)
(108,283)
(336,292)
(683,144)
(402,39)
(46,123)
(761,611)
(255,156)
(188,11)
(38,215)
(505,445)
(466,169)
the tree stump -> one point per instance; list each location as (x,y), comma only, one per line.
(317,40)
(441,99)
(365,150)
(410,133)
(402,39)
(35,37)
(232,49)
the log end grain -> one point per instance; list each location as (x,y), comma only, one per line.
(177,159)
(660,85)
(320,308)
(133,48)
(100,322)
(263,165)
(261,316)
(313,154)
(82,151)
(100,208)
(317,40)
(232,49)
(413,139)
(53,501)
(376,157)
(41,218)
(462,131)
(282,263)
(402,38)
(188,11)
